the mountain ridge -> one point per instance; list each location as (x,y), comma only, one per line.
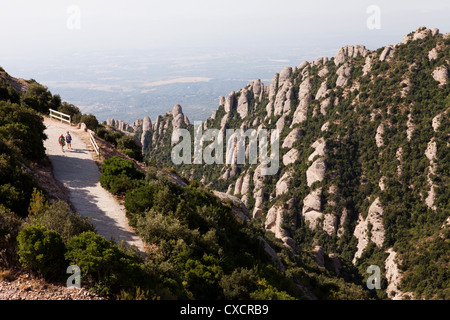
(382,90)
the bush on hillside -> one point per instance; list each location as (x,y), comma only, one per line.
(119,175)
(9,229)
(41,250)
(57,217)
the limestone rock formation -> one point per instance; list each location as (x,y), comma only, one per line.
(282,185)
(393,276)
(301,112)
(290,157)
(430,153)
(433,54)
(316,171)
(312,208)
(323,90)
(242,106)
(343,74)
(379,136)
(419,34)
(330,223)
(229,102)
(284,75)
(179,118)
(349,52)
(375,218)
(274,221)
(238,208)
(146,128)
(440,74)
(320,147)
(291,138)
(387,53)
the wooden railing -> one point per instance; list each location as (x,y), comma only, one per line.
(94,144)
(60,116)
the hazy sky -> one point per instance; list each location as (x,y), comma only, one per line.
(67,43)
(42,26)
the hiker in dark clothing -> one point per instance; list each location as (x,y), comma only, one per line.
(69,140)
(62,142)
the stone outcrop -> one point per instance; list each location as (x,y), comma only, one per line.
(229,102)
(282,185)
(146,128)
(387,53)
(394,277)
(440,74)
(258,192)
(343,74)
(301,113)
(323,90)
(242,105)
(274,221)
(283,98)
(375,219)
(342,219)
(312,208)
(305,88)
(316,171)
(368,65)
(379,136)
(320,147)
(349,52)
(419,34)
(290,157)
(330,223)
(292,137)
(238,208)
(257,88)
(284,75)
(433,54)
(430,153)
(178,117)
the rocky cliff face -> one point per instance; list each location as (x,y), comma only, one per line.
(360,133)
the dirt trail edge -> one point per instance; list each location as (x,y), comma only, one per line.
(77,170)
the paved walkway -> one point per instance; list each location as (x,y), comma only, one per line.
(77,170)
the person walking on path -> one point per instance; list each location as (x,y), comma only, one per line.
(69,141)
(62,142)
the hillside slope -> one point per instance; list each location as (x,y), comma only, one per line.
(364,160)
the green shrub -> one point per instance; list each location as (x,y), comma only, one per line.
(92,253)
(103,264)
(129,146)
(118,175)
(9,229)
(139,200)
(38,98)
(90,121)
(57,217)
(22,128)
(41,250)
(16,186)
(239,284)
(71,110)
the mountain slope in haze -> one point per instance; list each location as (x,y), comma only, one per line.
(202,244)
(364,161)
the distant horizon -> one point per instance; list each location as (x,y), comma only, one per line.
(133,58)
